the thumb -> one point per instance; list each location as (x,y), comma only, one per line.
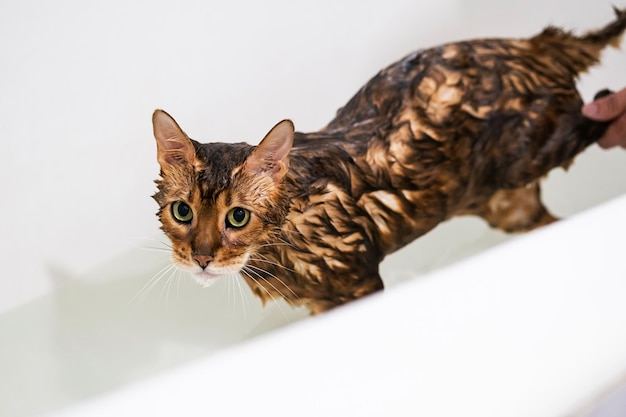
(607,108)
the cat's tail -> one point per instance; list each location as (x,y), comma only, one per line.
(579,53)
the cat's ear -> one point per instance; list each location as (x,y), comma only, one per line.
(271,156)
(174,148)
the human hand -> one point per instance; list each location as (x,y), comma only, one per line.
(611,107)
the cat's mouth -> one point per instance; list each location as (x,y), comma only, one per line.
(213,272)
(209,276)
(206,278)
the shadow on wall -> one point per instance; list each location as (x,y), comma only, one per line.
(116,326)
(135,316)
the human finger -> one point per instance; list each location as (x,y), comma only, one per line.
(607,108)
(615,135)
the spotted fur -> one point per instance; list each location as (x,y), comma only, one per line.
(465,128)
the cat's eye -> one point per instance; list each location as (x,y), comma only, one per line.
(237,217)
(182,212)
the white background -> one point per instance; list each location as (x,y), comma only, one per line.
(78,83)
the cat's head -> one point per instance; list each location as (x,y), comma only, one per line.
(219,202)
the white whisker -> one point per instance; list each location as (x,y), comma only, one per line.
(179,277)
(144,240)
(147,288)
(254,269)
(247,273)
(155,249)
(267,245)
(232,296)
(275,277)
(167,289)
(271,263)
(286,242)
(229,284)
(243,302)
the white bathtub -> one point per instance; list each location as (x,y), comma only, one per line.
(534,326)
(473,322)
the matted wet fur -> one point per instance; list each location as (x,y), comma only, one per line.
(463,128)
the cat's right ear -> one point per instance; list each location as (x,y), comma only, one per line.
(174,148)
(271,156)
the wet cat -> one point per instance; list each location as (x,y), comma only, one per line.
(465,128)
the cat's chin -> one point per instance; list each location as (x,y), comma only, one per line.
(209,276)
(205,279)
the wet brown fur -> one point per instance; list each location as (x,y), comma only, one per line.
(464,128)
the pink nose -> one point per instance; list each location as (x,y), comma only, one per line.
(203,260)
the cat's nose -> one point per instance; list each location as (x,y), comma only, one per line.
(203,260)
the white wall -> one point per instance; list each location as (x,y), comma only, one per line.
(79,80)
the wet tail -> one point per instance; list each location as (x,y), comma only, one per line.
(579,53)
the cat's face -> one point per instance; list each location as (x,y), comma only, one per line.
(219,202)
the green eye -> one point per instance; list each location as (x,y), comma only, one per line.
(237,218)
(182,212)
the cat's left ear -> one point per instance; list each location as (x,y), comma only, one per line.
(271,156)
(174,148)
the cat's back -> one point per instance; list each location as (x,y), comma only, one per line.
(470,79)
